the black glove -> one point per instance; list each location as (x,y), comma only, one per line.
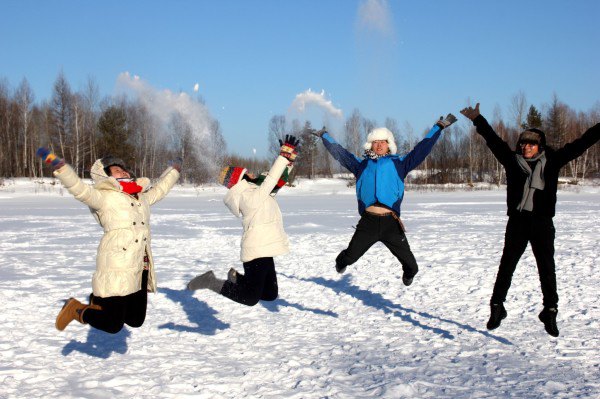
(289,148)
(444,123)
(319,133)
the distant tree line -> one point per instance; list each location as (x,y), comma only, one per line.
(82,127)
(460,155)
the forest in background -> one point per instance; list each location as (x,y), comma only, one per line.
(82,127)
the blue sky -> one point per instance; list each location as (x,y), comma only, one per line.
(412,61)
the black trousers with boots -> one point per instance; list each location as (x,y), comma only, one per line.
(539,232)
(259,282)
(119,310)
(374,228)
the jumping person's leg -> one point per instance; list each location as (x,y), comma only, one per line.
(248,288)
(364,237)
(393,237)
(515,242)
(136,304)
(111,316)
(542,245)
(270,289)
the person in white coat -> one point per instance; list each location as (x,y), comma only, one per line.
(124,265)
(264,236)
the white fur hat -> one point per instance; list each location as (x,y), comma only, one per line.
(381,133)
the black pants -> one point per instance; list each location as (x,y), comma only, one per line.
(372,228)
(539,231)
(119,310)
(259,282)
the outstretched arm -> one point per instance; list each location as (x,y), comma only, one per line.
(343,156)
(74,185)
(424,147)
(577,147)
(499,147)
(287,156)
(165,183)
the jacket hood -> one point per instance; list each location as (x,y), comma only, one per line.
(234,196)
(102,180)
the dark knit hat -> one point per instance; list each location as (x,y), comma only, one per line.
(109,161)
(231,175)
(534,136)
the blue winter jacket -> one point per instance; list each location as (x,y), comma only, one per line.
(382,180)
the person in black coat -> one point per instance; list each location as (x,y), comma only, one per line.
(531,183)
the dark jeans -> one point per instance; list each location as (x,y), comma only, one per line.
(539,231)
(386,229)
(259,282)
(119,310)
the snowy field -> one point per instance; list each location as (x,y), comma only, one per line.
(357,335)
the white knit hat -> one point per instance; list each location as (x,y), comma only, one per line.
(381,133)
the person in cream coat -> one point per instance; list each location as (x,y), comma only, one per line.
(253,199)
(124,264)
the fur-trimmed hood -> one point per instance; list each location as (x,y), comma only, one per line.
(103,181)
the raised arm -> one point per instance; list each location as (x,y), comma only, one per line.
(165,183)
(287,156)
(499,147)
(424,147)
(343,156)
(74,185)
(578,146)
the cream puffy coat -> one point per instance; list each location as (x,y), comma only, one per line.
(263,225)
(126,224)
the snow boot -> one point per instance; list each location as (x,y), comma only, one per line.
(72,310)
(206,281)
(497,314)
(232,275)
(339,267)
(407,280)
(548,317)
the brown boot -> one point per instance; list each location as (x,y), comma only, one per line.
(72,310)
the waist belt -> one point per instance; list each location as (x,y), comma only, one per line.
(392,214)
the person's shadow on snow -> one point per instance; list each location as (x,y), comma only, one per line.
(100,344)
(377,301)
(273,306)
(198,312)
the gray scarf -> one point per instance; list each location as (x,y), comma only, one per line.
(535,179)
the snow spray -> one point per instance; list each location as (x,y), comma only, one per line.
(165,106)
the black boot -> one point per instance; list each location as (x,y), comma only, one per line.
(406,280)
(497,314)
(340,265)
(548,317)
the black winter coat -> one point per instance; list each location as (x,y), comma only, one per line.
(544,201)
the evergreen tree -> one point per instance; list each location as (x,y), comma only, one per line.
(534,119)
(114,134)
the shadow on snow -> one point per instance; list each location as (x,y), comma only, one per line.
(198,312)
(99,344)
(273,306)
(377,301)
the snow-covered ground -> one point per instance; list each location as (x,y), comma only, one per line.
(360,334)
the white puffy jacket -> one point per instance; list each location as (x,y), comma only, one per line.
(263,225)
(126,224)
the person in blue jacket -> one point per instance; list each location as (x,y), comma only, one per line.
(380,178)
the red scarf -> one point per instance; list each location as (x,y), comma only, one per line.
(130,187)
